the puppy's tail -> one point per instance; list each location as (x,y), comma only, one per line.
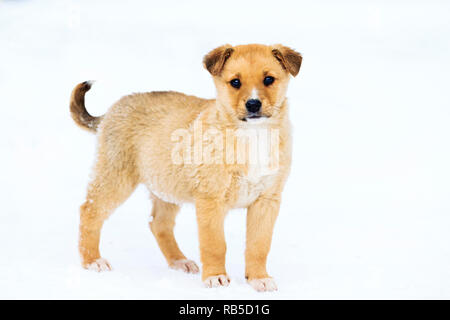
(78,111)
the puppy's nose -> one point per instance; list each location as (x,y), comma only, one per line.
(253,105)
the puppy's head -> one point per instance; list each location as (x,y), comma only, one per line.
(251,80)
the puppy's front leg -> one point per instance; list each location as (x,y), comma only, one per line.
(210,220)
(261,216)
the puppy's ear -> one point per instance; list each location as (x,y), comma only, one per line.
(215,60)
(289,59)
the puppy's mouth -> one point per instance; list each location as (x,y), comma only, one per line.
(253,117)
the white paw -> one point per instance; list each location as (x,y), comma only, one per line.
(217,281)
(185,265)
(99,265)
(264,284)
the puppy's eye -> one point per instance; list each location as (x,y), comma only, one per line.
(268,81)
(235,83)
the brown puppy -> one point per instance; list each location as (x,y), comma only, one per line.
(188,149)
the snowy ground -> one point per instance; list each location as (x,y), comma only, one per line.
(366,212)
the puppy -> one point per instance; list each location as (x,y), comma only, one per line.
(188,149)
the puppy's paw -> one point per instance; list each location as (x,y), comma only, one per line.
(185,265)
(99,265)
(264,284)
(217,281)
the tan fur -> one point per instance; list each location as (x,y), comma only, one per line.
(134,146)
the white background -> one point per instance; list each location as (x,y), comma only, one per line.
(365,213)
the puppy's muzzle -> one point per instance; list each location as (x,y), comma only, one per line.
(253,107)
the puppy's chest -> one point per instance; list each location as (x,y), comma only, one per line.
(250,185)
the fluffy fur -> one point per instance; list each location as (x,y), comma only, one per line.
(135,146)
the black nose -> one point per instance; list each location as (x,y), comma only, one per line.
(253,105)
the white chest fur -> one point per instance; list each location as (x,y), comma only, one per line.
(263,166)
(258,179)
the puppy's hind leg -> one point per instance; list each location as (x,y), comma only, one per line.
(162,225)
(105,193)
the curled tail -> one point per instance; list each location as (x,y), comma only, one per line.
(78,110)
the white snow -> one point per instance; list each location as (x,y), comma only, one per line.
(366,211)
